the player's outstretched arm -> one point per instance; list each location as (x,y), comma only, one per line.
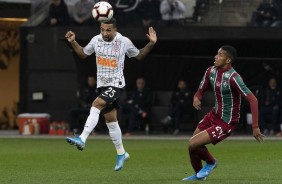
(152,36)
(77,48)
(254,109)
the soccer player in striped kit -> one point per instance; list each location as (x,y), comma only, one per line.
(222,120)
(110,48)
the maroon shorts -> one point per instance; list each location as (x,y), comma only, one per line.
(217,129)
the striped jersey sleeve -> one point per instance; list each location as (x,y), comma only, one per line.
(131,50)
(203,84)
(239,84)
(89,48)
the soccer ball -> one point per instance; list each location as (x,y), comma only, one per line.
(102,11)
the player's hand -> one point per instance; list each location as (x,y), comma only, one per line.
(152,36)
(197,103)
(70,36)
(259,136)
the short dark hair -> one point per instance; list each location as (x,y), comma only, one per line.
(111,21)
(231,51)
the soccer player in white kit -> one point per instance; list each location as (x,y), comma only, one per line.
(110,48)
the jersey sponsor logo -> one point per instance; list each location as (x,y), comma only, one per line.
(102,55)
(106,62)
(106,80)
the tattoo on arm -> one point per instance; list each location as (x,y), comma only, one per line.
(145,51)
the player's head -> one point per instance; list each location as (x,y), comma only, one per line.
(109,29)
(112,21)
(231,52)
(225,56)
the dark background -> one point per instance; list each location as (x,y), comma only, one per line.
(48,63)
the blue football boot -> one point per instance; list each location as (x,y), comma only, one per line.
(206,170)
(77,142)
(193,177)
(120,161)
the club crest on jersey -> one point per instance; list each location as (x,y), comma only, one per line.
(226,75)
(218,84)
(116,47)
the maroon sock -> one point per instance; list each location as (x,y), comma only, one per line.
(195,160)
(205,155)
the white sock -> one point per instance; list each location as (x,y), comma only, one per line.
(90,124)
(116,136)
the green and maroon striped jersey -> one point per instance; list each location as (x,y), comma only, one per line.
(228,88)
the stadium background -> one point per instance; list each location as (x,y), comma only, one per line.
(47,64)
(37,59)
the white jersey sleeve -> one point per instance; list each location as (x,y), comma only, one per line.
(131,50)
(89,48)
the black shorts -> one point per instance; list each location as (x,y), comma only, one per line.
(111,96)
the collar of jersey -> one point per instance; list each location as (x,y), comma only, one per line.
(111,42)
(224,69)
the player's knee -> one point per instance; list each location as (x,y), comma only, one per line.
(191,145)
(99,104)
(109,120)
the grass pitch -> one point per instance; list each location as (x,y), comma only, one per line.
(53,161)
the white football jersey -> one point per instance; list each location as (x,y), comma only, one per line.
(110,58)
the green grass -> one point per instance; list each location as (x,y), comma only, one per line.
(52,161)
